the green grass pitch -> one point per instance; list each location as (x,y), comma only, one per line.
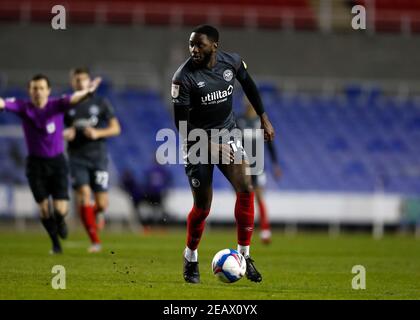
(306,266)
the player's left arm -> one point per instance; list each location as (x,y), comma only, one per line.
(78,96)
(251,91)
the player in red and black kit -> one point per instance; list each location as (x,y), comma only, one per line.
(202,91)
(88,125)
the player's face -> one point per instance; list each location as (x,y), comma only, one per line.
(39,92)
(201,48)
(80,81)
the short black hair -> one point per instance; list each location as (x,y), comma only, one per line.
(80,70)
(40,76)
(210,31)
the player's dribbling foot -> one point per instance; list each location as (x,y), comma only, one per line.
(95,248)
(251,272)
(191,272)
(265,236)
(100,221)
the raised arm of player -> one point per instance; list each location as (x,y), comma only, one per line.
(251,91)
(78,96)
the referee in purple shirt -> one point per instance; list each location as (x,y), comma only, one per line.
(46,166)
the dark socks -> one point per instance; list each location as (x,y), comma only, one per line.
(58,217)
(51,227)
(61,224)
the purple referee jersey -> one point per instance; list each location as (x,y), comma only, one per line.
(43,128)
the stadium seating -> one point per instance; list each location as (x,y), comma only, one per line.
(390,15)
(359,141)
(267,13)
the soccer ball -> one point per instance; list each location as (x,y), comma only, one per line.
(228,265)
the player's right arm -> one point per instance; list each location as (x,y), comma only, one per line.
(181,99)
(2,104)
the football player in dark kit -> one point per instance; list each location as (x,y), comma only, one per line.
(88,125)
(46,166)
(202,90)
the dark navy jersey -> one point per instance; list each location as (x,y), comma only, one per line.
(207,92)
(93,112)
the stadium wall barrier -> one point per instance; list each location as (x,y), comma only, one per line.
(133,56)
(283,207)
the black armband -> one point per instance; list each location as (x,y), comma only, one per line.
(250,89)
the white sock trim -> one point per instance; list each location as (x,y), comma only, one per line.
(191,255)
(244,250)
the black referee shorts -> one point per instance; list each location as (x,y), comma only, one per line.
(48,177)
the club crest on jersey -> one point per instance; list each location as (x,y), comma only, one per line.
(175,90)
(51,127)
(195,182)
(201,84)
(94,110)
(228,75)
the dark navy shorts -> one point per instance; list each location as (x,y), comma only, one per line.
(200,175)
(87,172)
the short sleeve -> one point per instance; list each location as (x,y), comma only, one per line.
(181,91)
(60,105)
(237,61)
(64,103)
(14,105)
(107,109)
